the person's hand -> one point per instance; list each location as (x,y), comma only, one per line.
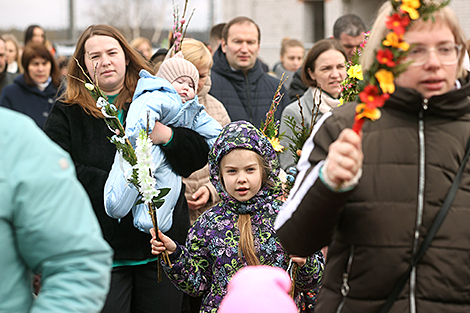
(159,246)
(160,134)
(345,157)
(299,260)
(324,250)
(199,198)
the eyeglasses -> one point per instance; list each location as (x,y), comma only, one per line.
(447,53)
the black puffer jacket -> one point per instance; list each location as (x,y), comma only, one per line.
(247,97)
(297,86)
(411,156)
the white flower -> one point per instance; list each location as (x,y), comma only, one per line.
(101,102)
(116,138)
(89,86)
(144,168)
(103,111)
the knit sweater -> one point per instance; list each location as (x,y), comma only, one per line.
(327,103)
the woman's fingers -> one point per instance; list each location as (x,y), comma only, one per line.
(345,157)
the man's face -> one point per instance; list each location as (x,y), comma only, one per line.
(242,46)
(3,56)
(350,43)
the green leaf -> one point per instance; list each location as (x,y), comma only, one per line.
(163,192)
(139,201)
(158,203)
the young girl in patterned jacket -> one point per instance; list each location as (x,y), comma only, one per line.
(239,231)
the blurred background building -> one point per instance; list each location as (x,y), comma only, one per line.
(306,20)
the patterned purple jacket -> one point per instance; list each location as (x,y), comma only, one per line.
(209,259)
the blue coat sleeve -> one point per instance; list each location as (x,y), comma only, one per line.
(119,195)
(208,128)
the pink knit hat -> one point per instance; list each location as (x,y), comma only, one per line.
(259,289)
(177,66)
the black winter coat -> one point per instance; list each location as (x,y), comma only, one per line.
(29,100)
(6,78)
(297,86)
(247,97)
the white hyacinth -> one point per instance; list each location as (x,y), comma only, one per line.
(144,168)
(101,102)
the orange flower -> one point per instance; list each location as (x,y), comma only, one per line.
(385,79)
(363,111)
(396,41)
(276,144)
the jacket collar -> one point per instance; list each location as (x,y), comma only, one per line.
(452,104)
(222,68)
(50,90)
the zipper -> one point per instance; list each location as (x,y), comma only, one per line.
(345,285)
(425,106)
(419,218)
(248,100)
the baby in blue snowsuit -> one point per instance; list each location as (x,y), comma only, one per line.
(170,98)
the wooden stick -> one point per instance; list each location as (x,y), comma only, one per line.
(153,214)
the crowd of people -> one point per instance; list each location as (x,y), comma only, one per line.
(230,239)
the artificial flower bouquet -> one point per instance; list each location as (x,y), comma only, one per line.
(390,61)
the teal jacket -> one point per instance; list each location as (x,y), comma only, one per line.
(47,226)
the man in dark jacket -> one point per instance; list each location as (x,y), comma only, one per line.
(5,77)
(238,80)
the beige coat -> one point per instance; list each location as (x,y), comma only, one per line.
(201,177)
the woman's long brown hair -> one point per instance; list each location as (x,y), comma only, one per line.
(76,91)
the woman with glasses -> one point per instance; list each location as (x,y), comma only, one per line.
(373,197)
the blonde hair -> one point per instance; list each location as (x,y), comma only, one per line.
(195,52)
(290,43)
(246,245)
(379,31)
(11,38)
(138,41)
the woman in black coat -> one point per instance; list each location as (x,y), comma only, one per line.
(34,92)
